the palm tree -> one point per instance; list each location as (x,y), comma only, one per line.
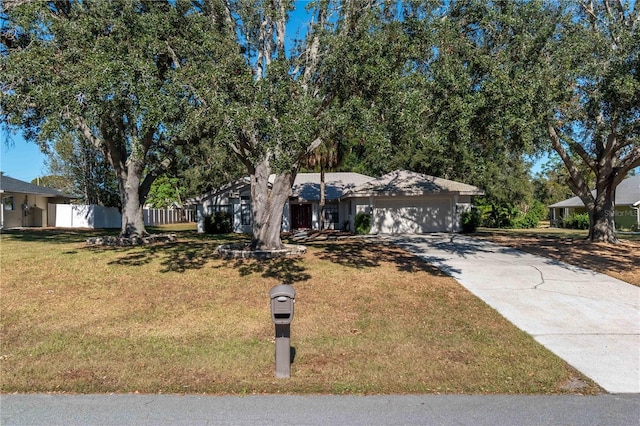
(326,156)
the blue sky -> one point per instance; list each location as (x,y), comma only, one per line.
(20,159)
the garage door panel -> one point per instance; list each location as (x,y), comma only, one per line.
(408,216)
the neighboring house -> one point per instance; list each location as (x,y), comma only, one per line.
(627,204)
(27,205)
(399,202)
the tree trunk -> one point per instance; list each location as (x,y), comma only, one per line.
(602,216)
(132,204)
(322,197)
(267,205)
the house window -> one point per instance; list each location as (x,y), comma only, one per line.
(245,214)
(7,202)
(225,208)
(331,214)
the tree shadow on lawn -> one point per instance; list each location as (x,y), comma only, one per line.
(177,256)
(192,254)
(54,235)
(361,254)
(286,270)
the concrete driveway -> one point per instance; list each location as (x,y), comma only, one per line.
(590,320)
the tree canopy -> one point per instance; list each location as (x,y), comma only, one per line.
(112,72)
(462,89)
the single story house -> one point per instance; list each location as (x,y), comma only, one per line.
(627,205)
(27,205)
(399,202)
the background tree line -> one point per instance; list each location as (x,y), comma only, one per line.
(206,91)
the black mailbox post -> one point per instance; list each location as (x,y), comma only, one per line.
(282,301)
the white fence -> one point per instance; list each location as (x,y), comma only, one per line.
(91,216)
(168,216)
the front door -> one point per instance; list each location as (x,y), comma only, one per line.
(301,216)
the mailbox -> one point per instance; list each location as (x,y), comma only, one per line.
(282,301)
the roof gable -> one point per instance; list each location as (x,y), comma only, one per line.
(627,194)
(404,182)
(9,184)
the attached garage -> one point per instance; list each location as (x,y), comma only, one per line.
(404,202)
(412,215)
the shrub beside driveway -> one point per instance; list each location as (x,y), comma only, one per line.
(171,318)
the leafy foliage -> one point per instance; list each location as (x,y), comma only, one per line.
(362,223)
(83,171)
(115,72)
(164,192)
(532,217)
(470,220)
(218,223)
(576,221)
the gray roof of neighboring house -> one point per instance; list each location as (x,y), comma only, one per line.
(627,194)
(306,187)
(403,182)
(9,184)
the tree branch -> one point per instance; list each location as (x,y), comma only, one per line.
(84,128)
(576,181)
(631,161)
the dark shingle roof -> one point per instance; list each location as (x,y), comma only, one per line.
(9,184)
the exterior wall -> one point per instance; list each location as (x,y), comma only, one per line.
(412,214)
(28,210)
(626,216)
(462,203)
(232,201)
(344,214)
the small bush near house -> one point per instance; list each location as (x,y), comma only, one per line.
(498,216)
(470,220)
(532,218)
(218,223)
(576,221)
(362,223)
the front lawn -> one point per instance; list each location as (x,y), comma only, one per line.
(174,319)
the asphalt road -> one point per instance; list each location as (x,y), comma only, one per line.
(477,410)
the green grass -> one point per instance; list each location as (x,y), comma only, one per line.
(174,319)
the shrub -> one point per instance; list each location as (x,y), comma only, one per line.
(576,221)
(362,223)
(532,218)
(218,223)
(470,220)
(499,216)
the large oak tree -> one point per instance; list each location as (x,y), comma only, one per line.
(562,75)
(113,71)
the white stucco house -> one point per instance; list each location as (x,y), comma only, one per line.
(399,202)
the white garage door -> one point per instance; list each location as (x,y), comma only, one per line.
(412,215)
